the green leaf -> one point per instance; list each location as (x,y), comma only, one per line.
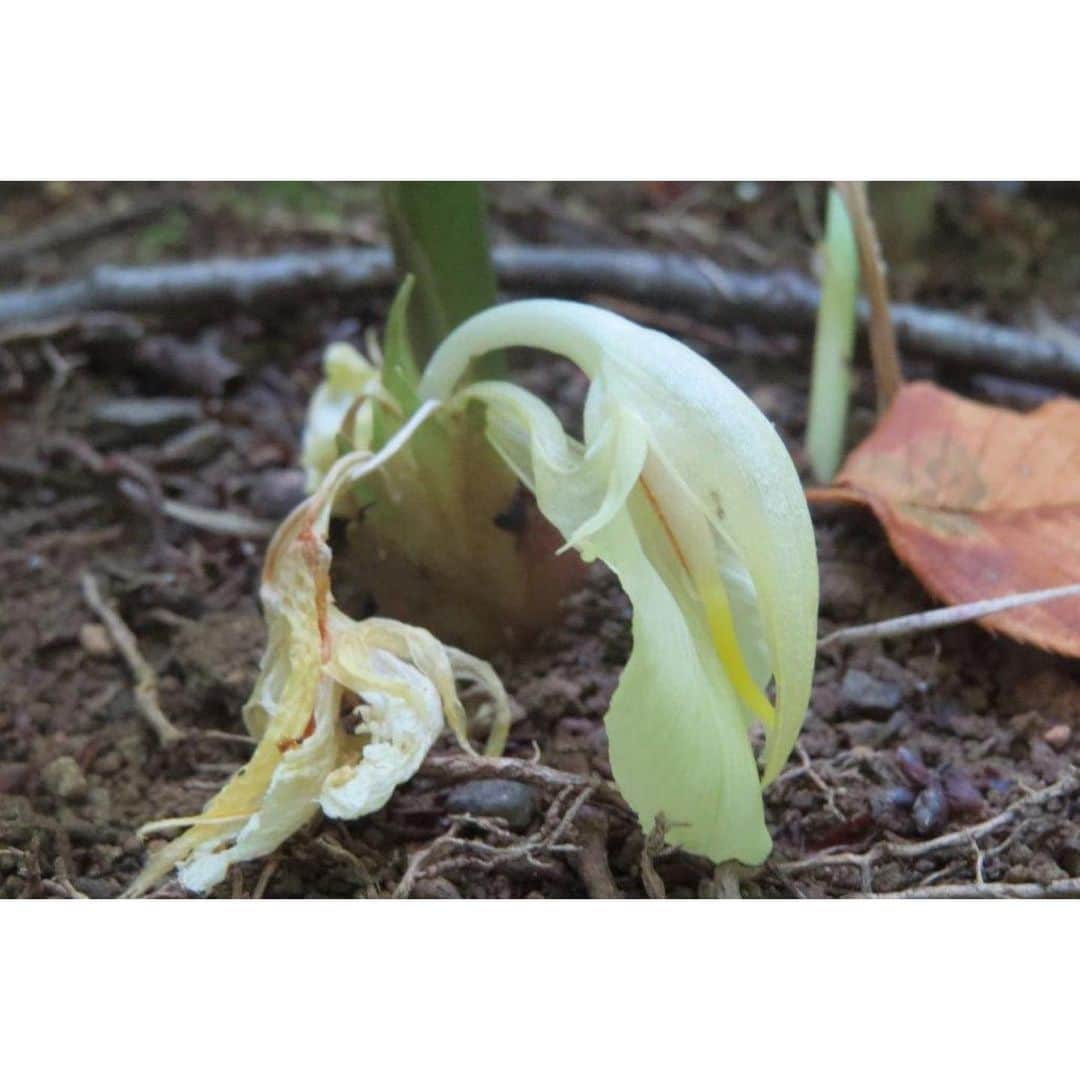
(400,377)
(400,374)
(439,234)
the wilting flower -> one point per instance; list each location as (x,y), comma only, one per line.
(681,486)
(343,711)
(685,490)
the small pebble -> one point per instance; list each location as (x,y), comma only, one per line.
(899,798)
(13,778)
(890,806)
(95,640)
(507,799)
(960,790)
(931,810)
(1069,858)
(275,492)
(861,692)
(94,888)
(912,766)
(63,777)
(1058,736)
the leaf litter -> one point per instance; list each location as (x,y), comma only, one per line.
(979,501)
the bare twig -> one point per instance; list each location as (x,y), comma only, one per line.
(592,859)
(146,695)
(265,876)
(452,851)
(222,736)
(992,890)
(223,522)
(807,769)
(342,854)
(654,845)
(771,301)
(887,375)
(942,617)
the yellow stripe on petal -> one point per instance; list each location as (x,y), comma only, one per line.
(726,644)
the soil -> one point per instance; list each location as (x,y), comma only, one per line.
(908,741)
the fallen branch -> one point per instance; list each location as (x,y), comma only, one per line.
(942,617)
(771,301)
(146,695)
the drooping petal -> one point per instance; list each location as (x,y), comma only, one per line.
(715,444)
(723,576)
(674,748)
(735,466)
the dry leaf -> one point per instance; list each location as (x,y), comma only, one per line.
(979,502)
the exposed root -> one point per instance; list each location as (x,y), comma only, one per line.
(966,838)
(534,854)
(1068,888)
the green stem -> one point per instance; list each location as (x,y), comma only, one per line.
(439,235)
(834,344)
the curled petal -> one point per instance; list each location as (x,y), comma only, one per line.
(578,488)
(399,728)
(678,455)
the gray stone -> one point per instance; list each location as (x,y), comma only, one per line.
(862,693)
(276,492)
(63,777)
(507,799)
(94,888)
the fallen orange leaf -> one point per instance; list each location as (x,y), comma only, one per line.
(979,501)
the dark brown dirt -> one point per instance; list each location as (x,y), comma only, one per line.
(907,740)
